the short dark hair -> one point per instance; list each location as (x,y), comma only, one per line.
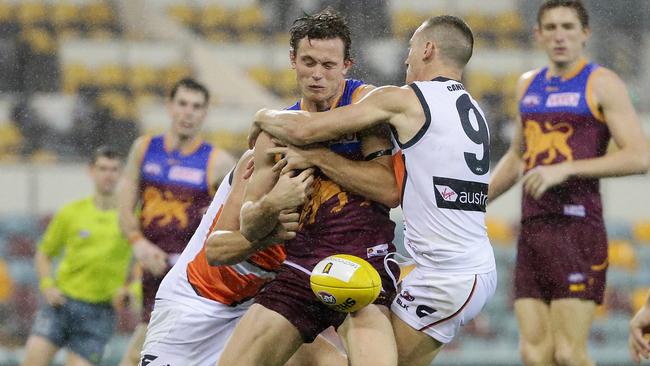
(105,151)
(453,36)
(576,5)
(192,84)
(326,24)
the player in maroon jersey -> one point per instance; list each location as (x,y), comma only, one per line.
(347,213)
(568,111)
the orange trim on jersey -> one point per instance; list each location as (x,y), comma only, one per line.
(601,266)
(225,284)
(143,149)
(571,74)
(355,95)
(471,294)
(400,171)
(591,101)
(209,171)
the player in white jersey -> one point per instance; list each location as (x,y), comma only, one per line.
(445,149)
(189,329)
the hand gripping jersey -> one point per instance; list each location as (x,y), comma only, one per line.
(194,282)
(561,122)
(445,184)
(174,191)
(337,221)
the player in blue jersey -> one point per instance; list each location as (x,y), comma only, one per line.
(172,178)
(568,112)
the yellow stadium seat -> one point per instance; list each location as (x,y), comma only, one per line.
(499,232)
(6,12)
(43,157)
(68,32)
(143,78)
(228,140)
(248,19)
(641,231)
(251,37)
(262,75)
(214,16)
(482,82)
(117,102)
(74,76)
(31,13)
(508,23)
(217,36)
(479,22)
(98,14)
(173,74)
(40,41)
(183,13)
(284,83)
(64,14)
(101,33)
(622,255)
(110,76)
(406,21)
(638,298)
(10,139)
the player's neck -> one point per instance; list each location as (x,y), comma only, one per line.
(564,68)
(104,202)
(445,72)
(178,142)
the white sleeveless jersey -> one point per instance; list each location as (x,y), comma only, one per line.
(175,286)
(447,169)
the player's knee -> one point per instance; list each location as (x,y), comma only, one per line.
(536,354)
(570,355)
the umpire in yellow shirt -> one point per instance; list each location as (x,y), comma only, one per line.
(77,312)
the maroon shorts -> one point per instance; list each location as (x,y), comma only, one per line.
(290,295)
(561,258)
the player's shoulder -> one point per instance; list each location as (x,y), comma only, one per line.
(604,77)
(76,207)
(528,76)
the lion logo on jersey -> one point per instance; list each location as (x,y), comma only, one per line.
(324,189)
(551,142)
(164,207)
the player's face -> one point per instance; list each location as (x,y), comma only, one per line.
(105,174)
(562,35)
(187,111)
(320,68)
(414,59)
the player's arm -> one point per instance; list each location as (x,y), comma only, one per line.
(263,200)
(302,128)
(510,167)
(226,245)
(220,166)
(149,255)
(50,247)
(631,157)
(639,328)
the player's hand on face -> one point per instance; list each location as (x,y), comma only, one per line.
(292,190)
(540,179)
(639,326)
(53,296)
(293,158)
(250,167)
(152,258)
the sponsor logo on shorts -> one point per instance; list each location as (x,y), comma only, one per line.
(380,250)
(575,210)
(147,359)
(563,100)
(401,303)
(577,277)
(458,194)
(327,298)
(423,310)
(407,296)
(84,233)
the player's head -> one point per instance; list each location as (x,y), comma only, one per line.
(443,40)
(105,169)
(562,29)
(320,54)
(187,106)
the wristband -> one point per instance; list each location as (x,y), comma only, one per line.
(45,283)
(134,237)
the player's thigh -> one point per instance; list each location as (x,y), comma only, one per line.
(262,337)
(325,350)
(534,319)
(571,322)
(368,336)
(39,351)
(414,348)
(92,329)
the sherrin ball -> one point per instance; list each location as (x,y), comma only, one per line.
(345,283)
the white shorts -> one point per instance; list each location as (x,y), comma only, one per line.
(438,303)
(180,335)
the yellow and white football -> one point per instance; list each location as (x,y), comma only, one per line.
(345,282)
